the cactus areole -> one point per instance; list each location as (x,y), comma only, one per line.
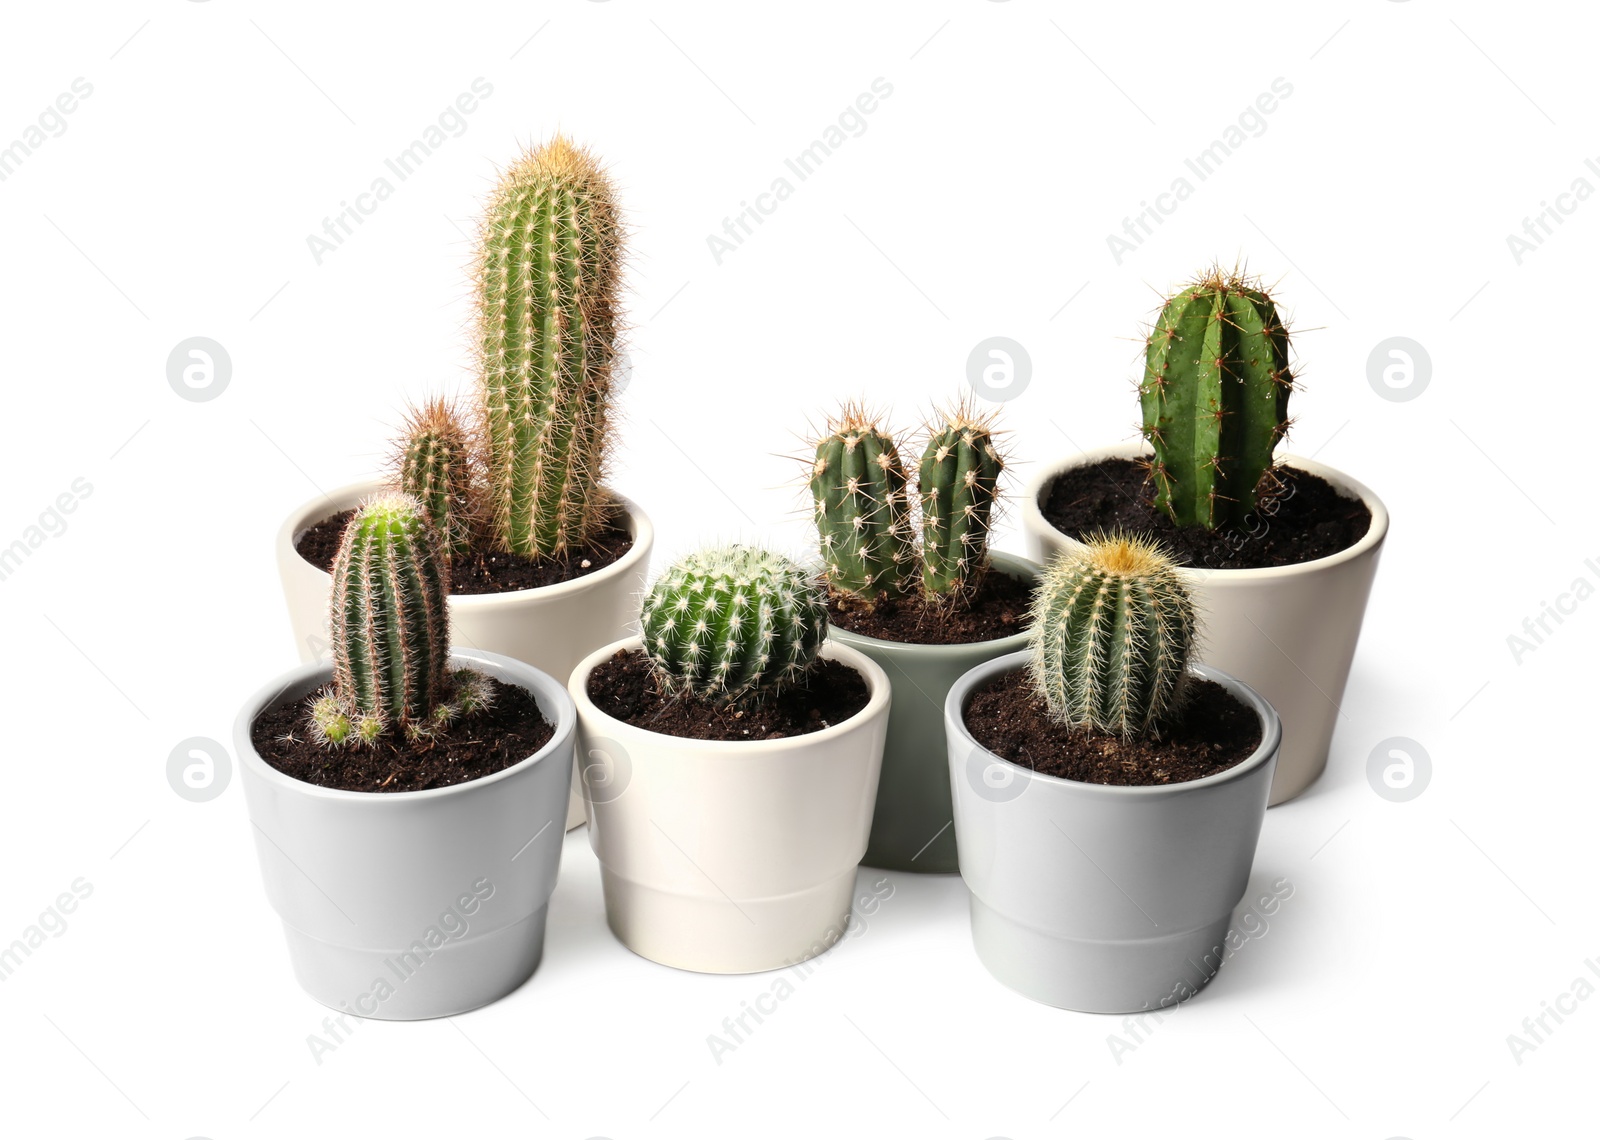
(1215,399)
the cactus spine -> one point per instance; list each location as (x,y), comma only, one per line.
(858,490)
(548,266)
(733,623)
(435,466)
(956,483)
(1215,398)
(1112,632)
(391,632)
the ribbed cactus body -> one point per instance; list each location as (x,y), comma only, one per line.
(548,267)
(733,623)
(862,511)
(1215,398)
(1112,632)
(391,632)
(435,466)
(956,483)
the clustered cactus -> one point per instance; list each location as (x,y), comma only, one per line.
(527,474)
(1215,398)
(391,631)
(863,509)
(733,624)
(1112,632)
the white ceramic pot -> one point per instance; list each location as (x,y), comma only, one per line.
(730,857)
(1096,897)
(1289,632)
(410,905)
(551,628)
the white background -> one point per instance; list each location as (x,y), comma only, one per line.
(977,203)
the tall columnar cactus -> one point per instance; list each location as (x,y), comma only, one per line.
(863,515)
(391,631)
(548,265)
(1215,397)
(1112,632)
(956,483)
(434,464)
(733,623)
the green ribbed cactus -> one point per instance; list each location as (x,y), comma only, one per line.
(863,513)
(733,623)
(391,631)
(1112,632)
(548,264)
(956,483)
(434,464)
(1215,398)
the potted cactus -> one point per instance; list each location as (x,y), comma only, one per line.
(730,756)
(1279,551)
(925,612)
(1108,792)
(407,799)
(548,562)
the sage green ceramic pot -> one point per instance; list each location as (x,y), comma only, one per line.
(913,824)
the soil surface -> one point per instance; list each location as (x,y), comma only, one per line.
(997,609)
(1304,519)
(1211,734)
(506,733)
(485,570)
(625,687)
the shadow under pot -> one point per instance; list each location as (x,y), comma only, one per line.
(912,821)
(1103,898)
(1289,632)
(550,627)
(411,905)
(729,856)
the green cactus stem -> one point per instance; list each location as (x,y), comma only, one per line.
(1112,632)
(733,623)
(434,464)
(548,265)
(956,483)
(862,510)
(1215,398)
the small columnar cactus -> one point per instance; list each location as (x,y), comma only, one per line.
(548,263)
(391,631)
(1112,632)
(863,515)
(434,464)
(1215,398)
(733,623)
(956,483)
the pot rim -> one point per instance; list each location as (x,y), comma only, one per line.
(1271,733)
(1033,515)
(877,705)
(535,680)
(314,510)
(880,644)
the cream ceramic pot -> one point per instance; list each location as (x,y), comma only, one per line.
(410,905)
(729,857)
(551,628)
(1289,632)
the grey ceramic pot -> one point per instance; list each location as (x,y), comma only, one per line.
(1099,898)
(912,823)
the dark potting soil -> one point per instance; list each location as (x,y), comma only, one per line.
(485,570)
(998,608)
(1213,732)
(1304,519)
(625,687)
(489,741)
